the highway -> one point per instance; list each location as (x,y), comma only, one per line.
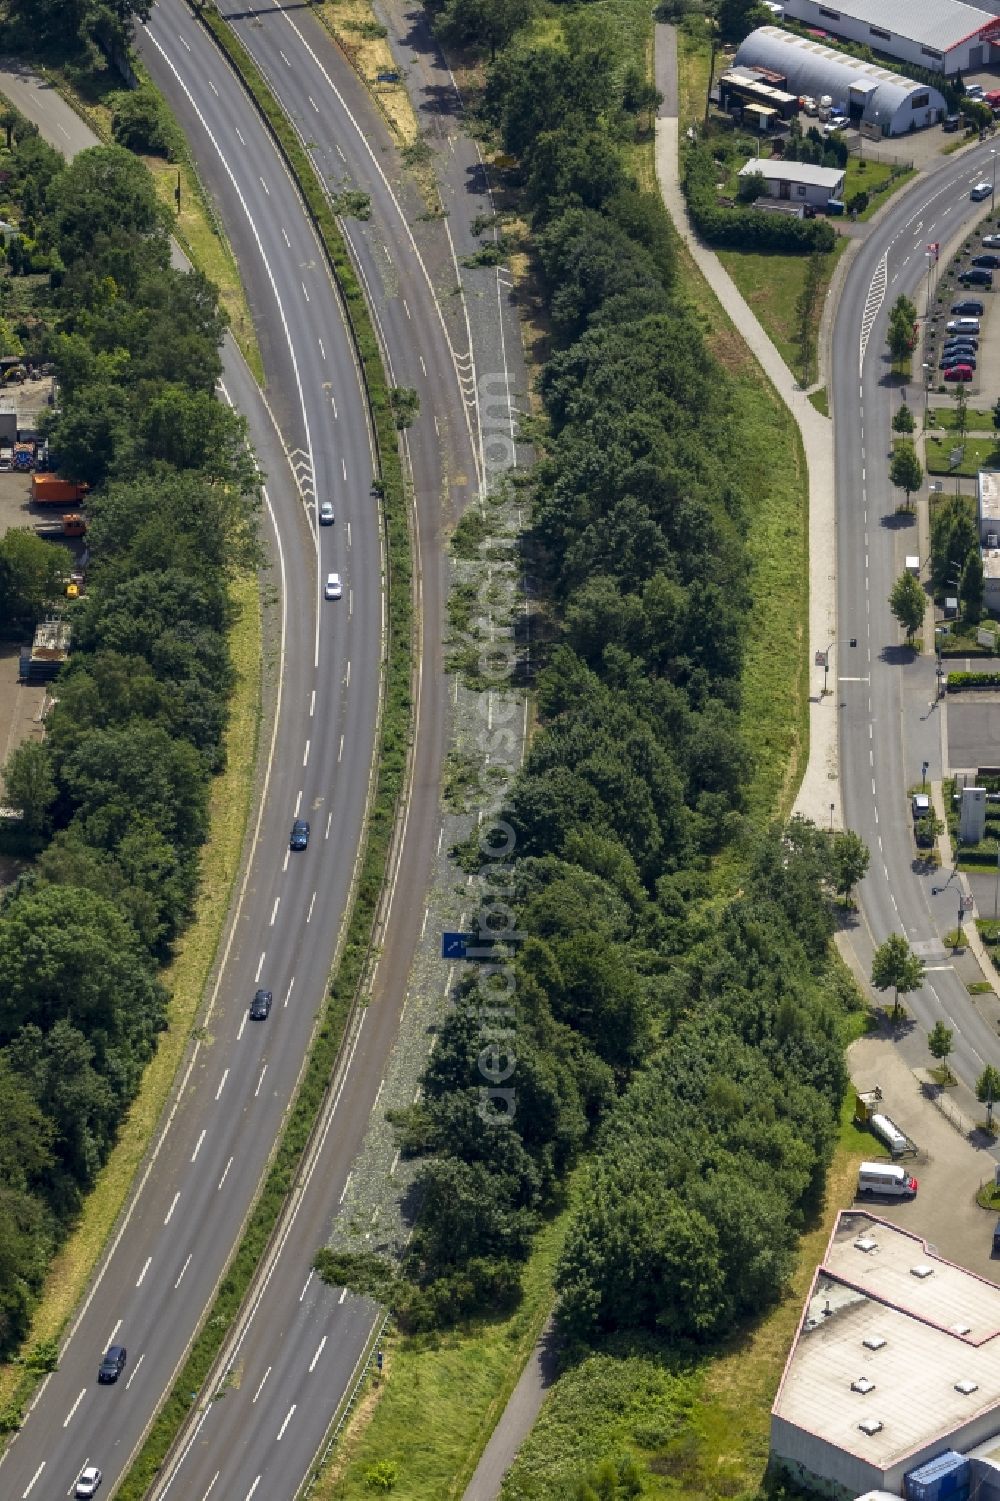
(168,1253)
(885,698)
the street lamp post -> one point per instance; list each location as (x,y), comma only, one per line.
(927,387)
(996,886)
(994,156)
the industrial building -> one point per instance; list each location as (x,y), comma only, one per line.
(798,182)
(895,1364)
(946,36)
(868,94)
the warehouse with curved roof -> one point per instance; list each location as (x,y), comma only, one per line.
(865,92)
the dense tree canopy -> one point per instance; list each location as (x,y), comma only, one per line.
(119,785)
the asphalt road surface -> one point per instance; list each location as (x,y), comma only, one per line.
(889,722)
(167,1254)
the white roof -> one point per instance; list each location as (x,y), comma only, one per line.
(776,170)
(929,1325)
(933,23)
(989,494)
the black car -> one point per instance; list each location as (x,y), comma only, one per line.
(300,835)
(958,350)
(977,277)
(961,341)
(112,1365)
(989,262)
(970,308)
(260,1006)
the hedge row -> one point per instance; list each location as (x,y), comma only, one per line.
(395,739)
(744,228)
(959,680)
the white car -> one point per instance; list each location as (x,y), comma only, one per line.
(991,242)
(980,190)
(836,122)
(333,588)
(974,91)
(326,513)
(90,1479)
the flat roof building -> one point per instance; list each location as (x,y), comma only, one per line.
(895,1361)
(866,92)
(799,182)
(946,36)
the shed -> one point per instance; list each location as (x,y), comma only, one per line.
(801,182)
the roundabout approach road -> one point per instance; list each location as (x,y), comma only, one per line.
(885,697)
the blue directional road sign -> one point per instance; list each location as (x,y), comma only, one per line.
(455,945)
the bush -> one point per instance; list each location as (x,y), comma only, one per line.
(745,229)
(382,1475)
(140,122)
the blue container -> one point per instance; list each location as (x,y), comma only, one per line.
(945,1478)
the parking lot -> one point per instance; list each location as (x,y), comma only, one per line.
(950,1168)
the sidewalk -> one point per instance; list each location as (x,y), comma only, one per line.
(820,785)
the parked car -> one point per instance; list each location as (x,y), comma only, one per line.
(989,262)
(920,806)
(969,307)
(977,277)
(951,122)
(991,240)
(333,588)
(112,1365)
(326,513)
(260,1006)
(954,357)
(980,190)
(837,122)
(90,1479)
(808,105)
(957,372)
(962,326)
(961,341)
(974,91)
(299,837)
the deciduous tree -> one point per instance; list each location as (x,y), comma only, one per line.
(907,602)
(896,967)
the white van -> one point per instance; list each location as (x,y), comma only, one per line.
(885,1178)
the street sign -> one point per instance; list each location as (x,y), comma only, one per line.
(956,456)
(387,77)
(966,903)
(821,659)
(455,945)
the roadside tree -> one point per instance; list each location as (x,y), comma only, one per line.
(988,1089)
(940,1041)
(906,471)
(897,968)
(903,421)
(907,602)
(954,535)
(29,784)
(851,858)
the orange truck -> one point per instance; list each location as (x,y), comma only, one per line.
(50,490)
(67,526)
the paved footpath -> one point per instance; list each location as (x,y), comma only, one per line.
(820,785)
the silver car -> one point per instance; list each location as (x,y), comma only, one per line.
(90,1479)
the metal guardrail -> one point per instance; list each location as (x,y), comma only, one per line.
(348,1405)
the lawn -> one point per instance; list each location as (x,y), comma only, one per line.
(868,177)
(772,283)
(976,420)
(980,453)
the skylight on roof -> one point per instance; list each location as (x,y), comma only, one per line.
(922,1271)
(863,1385)
(966,1387)
(873,1342)
(870,1426)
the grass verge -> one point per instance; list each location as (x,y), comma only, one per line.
(771,284)
(185,980)
(975,420)
(391,759)
(775,717)
(365,43)
(821,401)
(694,64)
(433,1417)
